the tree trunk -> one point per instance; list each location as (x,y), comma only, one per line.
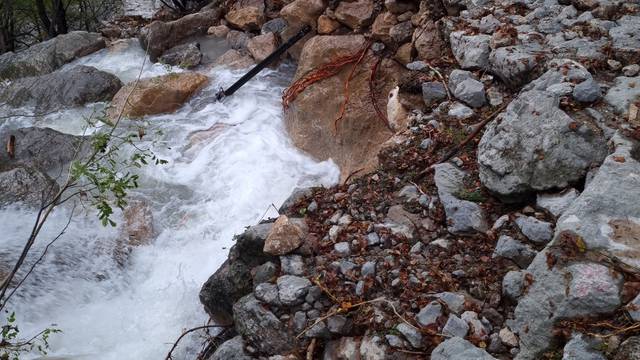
(7,26)
(44,18)
(60,15)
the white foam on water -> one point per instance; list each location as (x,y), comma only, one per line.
(212,188)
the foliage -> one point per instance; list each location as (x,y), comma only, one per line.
(11,346)
(471,195)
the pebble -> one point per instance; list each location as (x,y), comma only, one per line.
(410,333)
(539,232)
(631,70)
(429,314)
(342,248)
(460,111)
(455,327)
(373,239)
(508,337)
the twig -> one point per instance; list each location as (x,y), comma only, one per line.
(185,333)
(311,348)
(372,94)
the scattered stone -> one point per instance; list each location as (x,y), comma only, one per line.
(339,324)
(540,232)
(342,248)
(231,350)
(460,111)
(292,289)
(395,341)
(476,328)
(292,265)
(629,349)
(513,284)
(218,31)
(234,59)
(455,302)
(459,349)
(471,51)
(247,18)
(265,272)
(429,314)
(428,41)
(275,26)
(433,92)
(623,93)
(373,348)
(355,15)
(401,32)
(471,92)
(455,327)
(373,239)
(301,12)
(587,91)
(262,46)
(327,25)
(285,236)
(514,65)
(410,333)
(463,216)
(267,293)
(631,70)
(513,249)
(633,308)
(508,337)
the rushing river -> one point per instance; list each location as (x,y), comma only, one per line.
(210,190)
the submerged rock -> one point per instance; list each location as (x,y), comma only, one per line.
(77,86)
(185,56)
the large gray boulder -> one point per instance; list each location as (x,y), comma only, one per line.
(45,149)
(160,36)
(459,349)
(233,279)
(60,89)
(26,185)
(260,328)
(463,216)
(534,145)
(47,56)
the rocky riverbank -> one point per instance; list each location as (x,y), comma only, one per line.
(521,244)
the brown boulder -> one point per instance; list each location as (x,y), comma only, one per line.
(262,46)
(218,31)
(234,59)
(161,94)
(360,132)
(428,42)
(302,12)
(285,236)
(382,25)
(356,15)
(248,18)
(404,54)
(327,25)
(160,36)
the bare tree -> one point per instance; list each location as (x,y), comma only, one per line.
(7,26)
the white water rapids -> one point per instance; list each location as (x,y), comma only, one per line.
(209,191)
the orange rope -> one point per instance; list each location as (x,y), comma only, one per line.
(343,108)
(372,92)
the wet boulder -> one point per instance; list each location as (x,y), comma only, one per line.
(45,149)
(234,59)
(47,56)
(160,36)
(26,185)
(61,89)
(157,95)
(262,46)
(354,139)
(185,56)
(260,328)
(233,279)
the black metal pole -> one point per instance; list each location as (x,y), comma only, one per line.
(264,63)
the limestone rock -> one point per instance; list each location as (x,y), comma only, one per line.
(429,314)
(26,185)
(625,39)
(292,289)
(160,36)
(382,26)
(558,203)
(428,41)
(463,216)
(624,92)
(471,51)
(157,95)
(327,25)
(581,347)
(234,59)
(459,349)
(47,56)
(512,249)
(514,65)
(61,89)
(539,232)
(285,236)
(185,56)
(231,350)
(248,18)
(301,12)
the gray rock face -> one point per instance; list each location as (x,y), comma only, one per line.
(455,302)
(26,185)
(267,293)
(606,215)
(261,328)
(625,39)
(580,347)
(558,203)
(532,147)
(471,51)
(459,349)
(577,290)
(77,86)
(160,36)
(463,216)
(513,64)
(233,279)
(45,149)
(429,314)
(624,91)
(539,232)
(587,91)
(513,249)
(185,56)
(292,289)
(455,327)
(231,350)
(47,56)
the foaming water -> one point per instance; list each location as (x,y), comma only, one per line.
(228,162)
